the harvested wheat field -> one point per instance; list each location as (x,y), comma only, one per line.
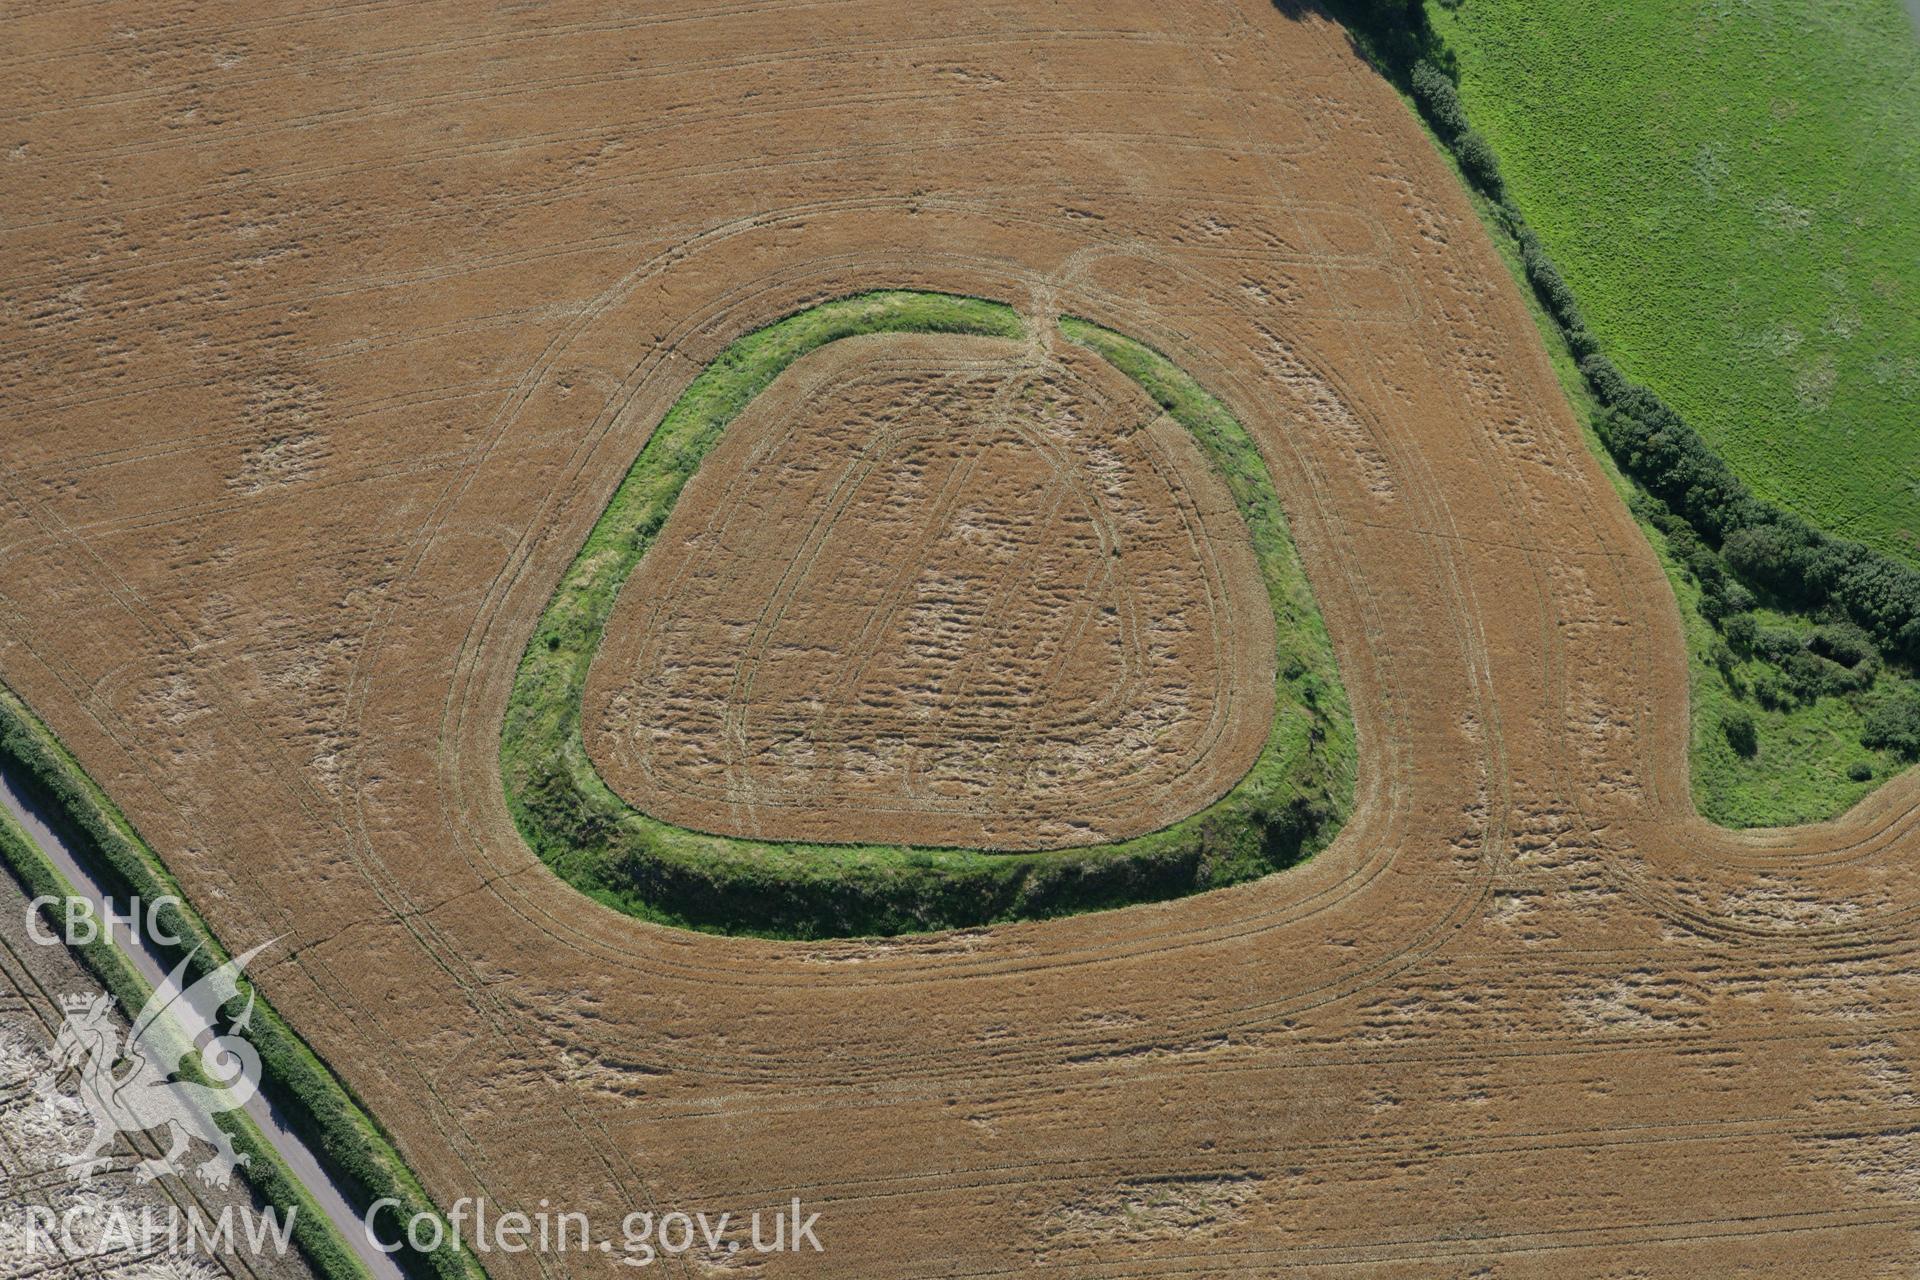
(896,607)
(331,332)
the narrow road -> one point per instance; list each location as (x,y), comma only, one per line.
(272,1122)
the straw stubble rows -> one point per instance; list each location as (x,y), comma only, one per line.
(329,334)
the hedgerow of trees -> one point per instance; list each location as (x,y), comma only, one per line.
(1740,549)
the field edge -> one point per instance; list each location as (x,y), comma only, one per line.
(1809,765)
(358,1152)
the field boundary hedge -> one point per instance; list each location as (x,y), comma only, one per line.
(1296,795)
(1772,551)
(1851,614)
(356,1151)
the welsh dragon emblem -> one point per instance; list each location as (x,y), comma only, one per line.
(127,1087)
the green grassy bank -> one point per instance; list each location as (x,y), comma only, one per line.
(1802,645)
(1809,760)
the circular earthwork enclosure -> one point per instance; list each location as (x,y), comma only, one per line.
(908,616)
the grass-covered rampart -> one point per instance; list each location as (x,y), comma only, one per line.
(1290,803)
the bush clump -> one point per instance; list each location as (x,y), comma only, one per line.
(1844,643)
(1479,163)
(1556,295)
(1771,549)
(1742,631)
(1439,100)
(1894,726)
(1742,734)
(1395,33)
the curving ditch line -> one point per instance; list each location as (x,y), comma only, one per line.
(271,1120)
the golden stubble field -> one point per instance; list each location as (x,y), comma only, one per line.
(945,591)
(327,333)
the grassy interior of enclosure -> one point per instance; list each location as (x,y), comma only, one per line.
(329,1119)
(1810,752)
(1289,804)
(1730,188)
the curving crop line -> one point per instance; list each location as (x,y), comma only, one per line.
(1288,806)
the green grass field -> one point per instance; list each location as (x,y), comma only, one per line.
(1732,188)
(1288,806)
(1801,771)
